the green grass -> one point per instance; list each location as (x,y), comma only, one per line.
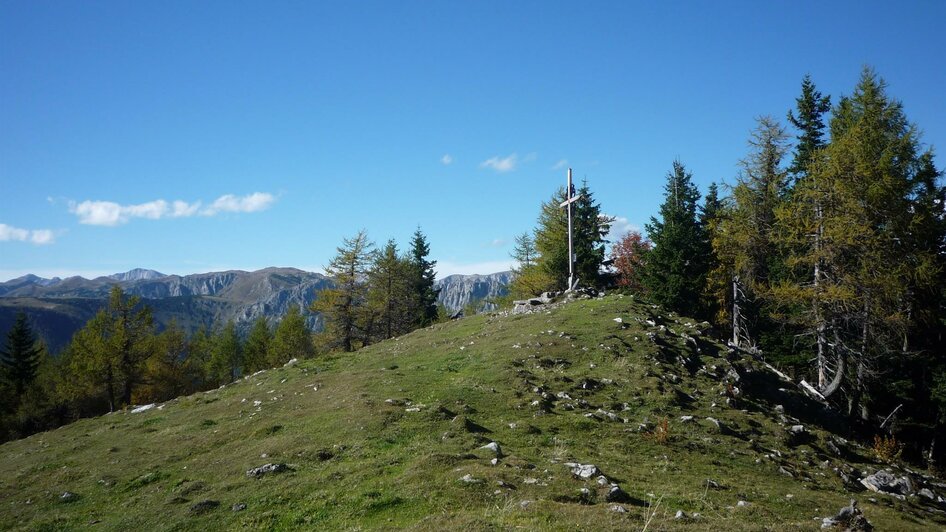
(358,461)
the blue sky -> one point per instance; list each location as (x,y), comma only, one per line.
(199,136)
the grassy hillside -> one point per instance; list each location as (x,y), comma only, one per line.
(391,437)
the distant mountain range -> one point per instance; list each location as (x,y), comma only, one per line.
(58,307)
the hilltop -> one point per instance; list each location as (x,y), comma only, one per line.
(495,421)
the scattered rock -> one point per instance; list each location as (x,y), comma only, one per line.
(926,492)
(686,419)
(617,508)
(262,470)
(142,408)
(712,484)
(525,504)
(292,362)
(494,447)
(850,518)
(616,494)
(238,507)
(742,504)
(885,482)
(468,478)
(583,471)
(715,422)
(680,515)
(68,496)
(203,507)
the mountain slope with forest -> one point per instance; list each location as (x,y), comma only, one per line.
(596,414)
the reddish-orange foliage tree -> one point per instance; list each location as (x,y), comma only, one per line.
(628,256)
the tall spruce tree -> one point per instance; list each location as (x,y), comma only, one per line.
(675,271)
(811,106)
(423,278)
(21,355)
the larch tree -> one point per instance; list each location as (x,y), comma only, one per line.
(292,339)
(256,349)
(343,306)
(389,291)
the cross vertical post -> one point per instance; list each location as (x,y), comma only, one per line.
(571,252)
(570,198)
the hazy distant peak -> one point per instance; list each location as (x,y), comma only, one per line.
(137,274)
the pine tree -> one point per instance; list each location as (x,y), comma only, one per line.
(422,279)
(745,236)
(226,357)
(675,271)
(847,222)
(110,351)
(343,306)
(256,349)
(589,229)
(811,107)
(21,355)
(389,291)
(292,339)
(165,376)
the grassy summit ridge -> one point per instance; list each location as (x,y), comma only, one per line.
(392,437)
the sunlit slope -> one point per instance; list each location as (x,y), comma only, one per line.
(392,437)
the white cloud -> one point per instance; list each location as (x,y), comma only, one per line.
(255,202)
(501,164)
(620,227)
(562,163)
(42,237)
(109,213)
(446,267)
(497,243)
(39,237)
(446,159)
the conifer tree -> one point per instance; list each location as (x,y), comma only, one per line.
(292,339)
(847,222)
(744,237)
(389,291)
(422,280)
(226,357)
(589,229)
(811,106)
(110,351)
(20,355)
(256,349)
(675,271)
(165,376)
(343,306)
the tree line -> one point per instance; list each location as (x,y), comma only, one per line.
(826,257)
(120,358)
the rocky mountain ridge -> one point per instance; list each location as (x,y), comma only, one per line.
(59,307)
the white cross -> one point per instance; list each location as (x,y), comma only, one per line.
(572,198)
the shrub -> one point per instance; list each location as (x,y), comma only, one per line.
(887,449)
